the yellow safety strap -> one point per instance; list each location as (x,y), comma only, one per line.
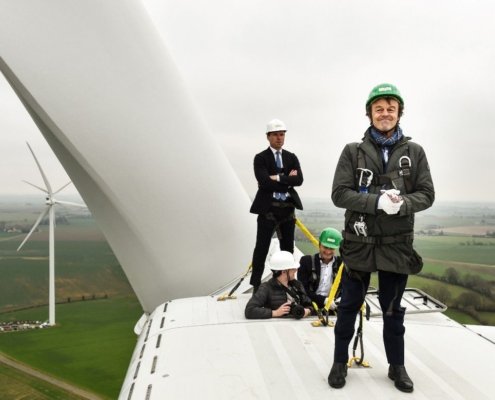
(230,295)
(307,233)
(335,286)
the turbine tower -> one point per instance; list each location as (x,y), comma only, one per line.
(50,210)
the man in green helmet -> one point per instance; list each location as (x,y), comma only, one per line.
(317,272)
(381,182)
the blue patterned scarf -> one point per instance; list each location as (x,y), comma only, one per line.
(381,140)
(385,143)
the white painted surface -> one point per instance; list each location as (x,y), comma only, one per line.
(208,350)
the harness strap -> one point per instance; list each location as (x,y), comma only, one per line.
(361,162)
(404,170)
(379,240)
(359,340)
(293,292)
(314,277)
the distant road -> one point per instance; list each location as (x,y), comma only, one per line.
(460,263)
(54,381)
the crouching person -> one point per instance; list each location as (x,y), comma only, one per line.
(317,272)
(282,295)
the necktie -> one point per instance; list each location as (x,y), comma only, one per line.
(278,161)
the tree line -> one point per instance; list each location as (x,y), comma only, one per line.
(482,300)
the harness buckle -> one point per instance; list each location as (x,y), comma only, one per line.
(365,178)
(407,159)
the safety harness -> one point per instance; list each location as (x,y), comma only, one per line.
(365,176)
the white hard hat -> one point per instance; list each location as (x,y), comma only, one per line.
(282,260)
(275,125)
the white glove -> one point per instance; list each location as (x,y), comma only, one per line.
(390,201)
(394,195)
(333,306)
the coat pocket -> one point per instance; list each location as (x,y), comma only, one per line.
(400,258)
(358,256)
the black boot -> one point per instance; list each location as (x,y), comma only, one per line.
(336,379)
(399,375)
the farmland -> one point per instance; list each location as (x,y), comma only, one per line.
(94,339)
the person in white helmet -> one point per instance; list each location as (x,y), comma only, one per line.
(282,295)
(277,172)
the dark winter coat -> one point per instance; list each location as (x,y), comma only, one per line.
(309,275)
(389,245)
(270,296)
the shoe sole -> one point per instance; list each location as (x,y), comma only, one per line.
(337,386)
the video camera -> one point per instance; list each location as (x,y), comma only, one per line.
(297,311)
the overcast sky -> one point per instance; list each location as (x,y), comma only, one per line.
(312,65)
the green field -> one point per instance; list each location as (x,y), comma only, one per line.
(93,341)
(83,268)
(91,346)
(457,249)
(15,384)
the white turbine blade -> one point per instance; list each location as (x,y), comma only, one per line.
(36,186)
(45,179)
(69,203)
(42,215)
(63,187)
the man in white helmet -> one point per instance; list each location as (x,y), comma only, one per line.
(277,172)
(282,295)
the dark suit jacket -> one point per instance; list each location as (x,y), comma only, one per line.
(310,282)
(264,166)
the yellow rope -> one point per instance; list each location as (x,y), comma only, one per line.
(335,286)
(230,295)
(307,233)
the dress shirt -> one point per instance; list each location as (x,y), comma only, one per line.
(326,278)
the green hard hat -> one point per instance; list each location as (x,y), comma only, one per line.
(331,238)
(384,90)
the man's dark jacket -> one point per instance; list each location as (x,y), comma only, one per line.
(264,166)
(270,296)
(389,245)
(311,281)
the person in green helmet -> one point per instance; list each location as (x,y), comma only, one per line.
(381,182)
(317,272)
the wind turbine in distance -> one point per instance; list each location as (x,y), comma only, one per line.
(50,210)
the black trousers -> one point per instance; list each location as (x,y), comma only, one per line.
(391,287)
(282,219)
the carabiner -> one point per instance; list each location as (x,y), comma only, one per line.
(365,174)
(408,162)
